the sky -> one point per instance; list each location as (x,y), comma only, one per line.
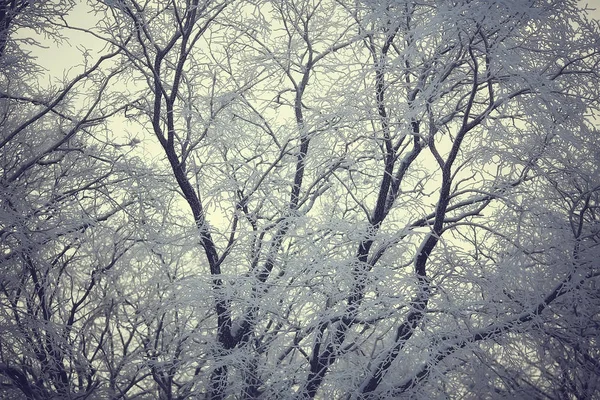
(593,4)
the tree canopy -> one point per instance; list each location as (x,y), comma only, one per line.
(296,199)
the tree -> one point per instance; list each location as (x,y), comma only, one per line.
(62,224)
(373,199)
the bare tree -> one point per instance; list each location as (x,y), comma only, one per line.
(62,222)
(361,200)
